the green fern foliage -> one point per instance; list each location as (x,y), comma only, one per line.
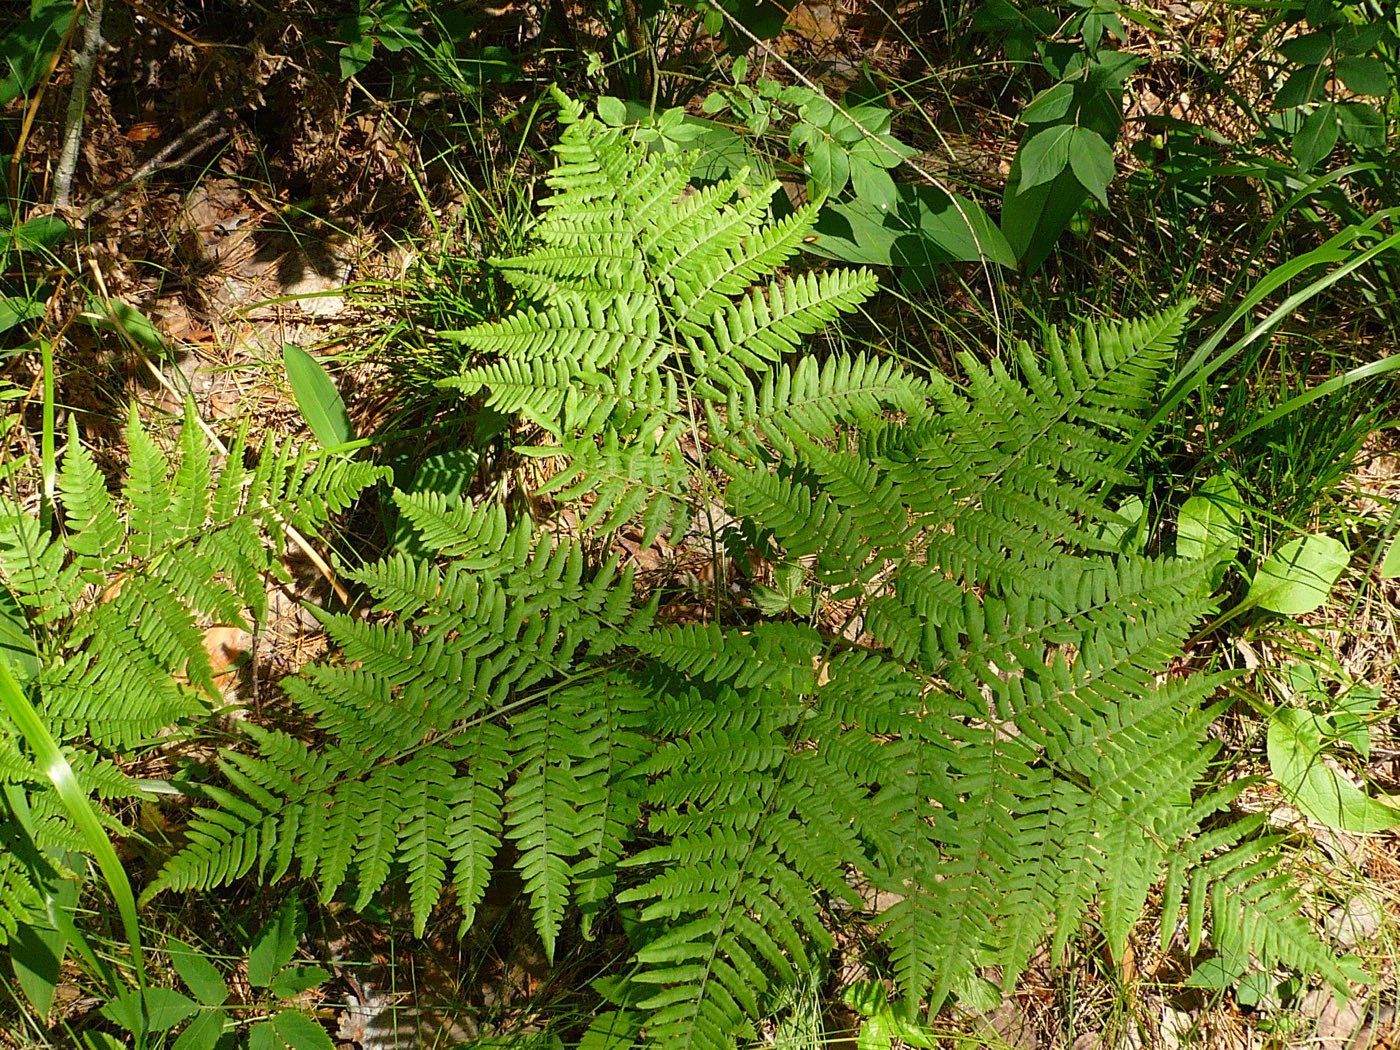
(111,610)
(417,778)
(980,714)
(643,300)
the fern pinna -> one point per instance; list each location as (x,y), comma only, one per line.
(979,716)
(104,622)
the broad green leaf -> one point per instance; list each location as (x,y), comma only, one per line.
(1050,105)
(1297,577)
(828,166)
(1390,564)
(200,975)
(294,980)
(1210,521)
(1361,124)
(298,1032)
(1043,156)
(612,111)
(1091,160)
(1307,50)
(1303,85)
(203,1033)
(872,184)
(276,943)
(1357,39)
(127,321)
(953,229)
(36,952)
(27,46)
(926,230)
(40,234)
(1034,219)
(1296,743)
(165,1008)
(17,309)
(1317,137)
(319,401)
(1364,75)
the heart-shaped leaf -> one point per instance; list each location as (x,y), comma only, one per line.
(1297,577)
(1296,743)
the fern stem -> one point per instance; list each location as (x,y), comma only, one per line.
(49,459)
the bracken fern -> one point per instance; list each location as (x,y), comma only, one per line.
(981,717)
(105,620)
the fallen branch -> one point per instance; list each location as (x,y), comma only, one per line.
(84,64)
(165,158)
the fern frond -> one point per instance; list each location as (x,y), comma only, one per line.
(95,530)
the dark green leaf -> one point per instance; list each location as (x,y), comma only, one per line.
(17,309)
(36,952)
(355,56)
(763,18)
(828,165)
(927,229)
(299,1032)
(203,1033)
(1050,105)
(27,46)
(292,981)
(1091,160)
(200,975)
(316,395)
(1361,124)
(1303,85)
(1364,75)
(1034,219)
(41,234)
(276,943)
(1308,50)
(1043,156)
(1316,138)
(165,1008)
(1357,39)
(873,185)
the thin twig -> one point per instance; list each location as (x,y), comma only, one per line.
(84,65)
(161,161)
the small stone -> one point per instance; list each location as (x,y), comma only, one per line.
(1335,1023)
(1356,921)
(1177,1028)
(1011,1026)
